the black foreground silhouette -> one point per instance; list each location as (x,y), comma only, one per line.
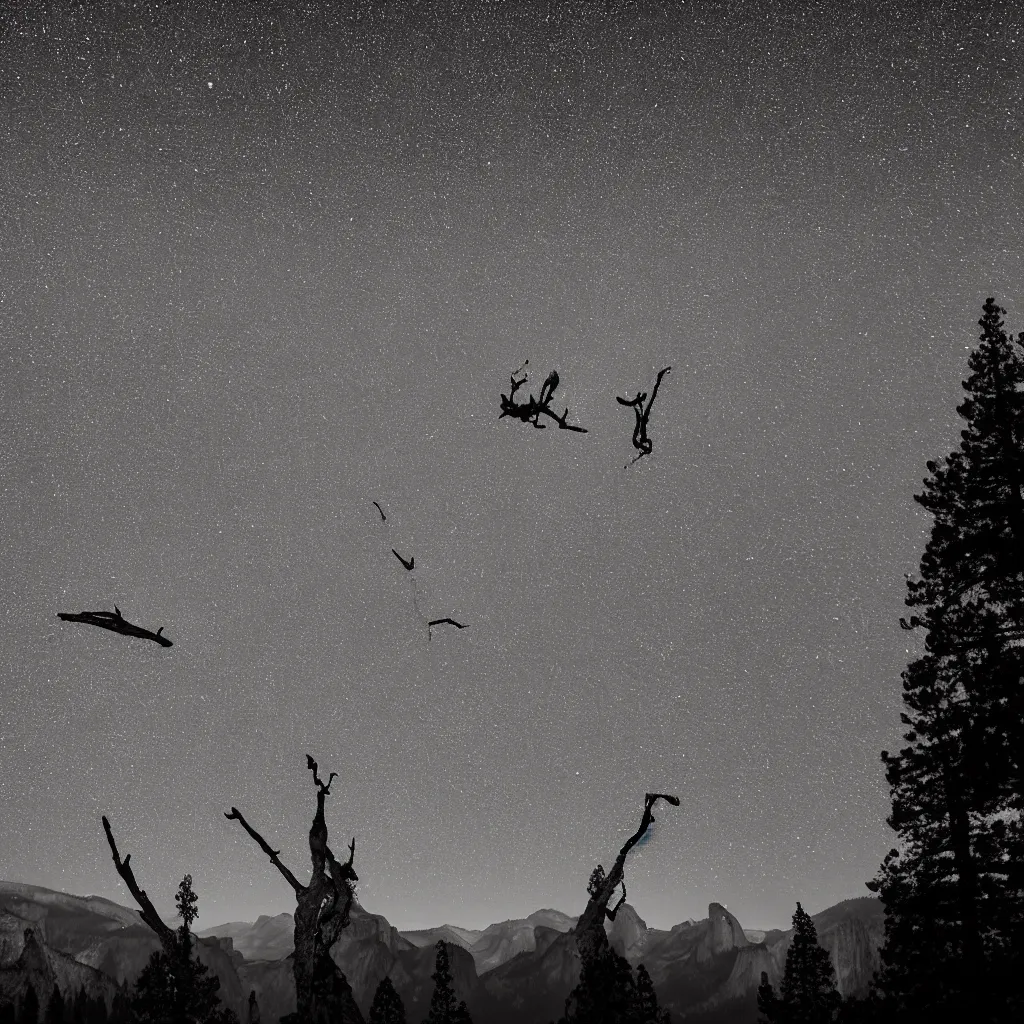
(117,623)
(167,936)
(641,442)
(323,994)
(589,930)
(531,410)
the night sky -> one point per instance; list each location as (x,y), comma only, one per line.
(260,270)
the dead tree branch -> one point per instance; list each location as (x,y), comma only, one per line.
(590,935)
(235,815)
(116,623)
(148,913)
(532,409)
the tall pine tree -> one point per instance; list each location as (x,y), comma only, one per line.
(28,1011)
(443,1008)
(177,988)
(54,1008)
(953,902)
(808,991)
(606,993)
(387,1007)
(647,1009)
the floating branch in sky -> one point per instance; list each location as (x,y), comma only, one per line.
(409,565)
(117,623)
(641,442)
(532,409)
(445,621)
(590,934)
(322,912)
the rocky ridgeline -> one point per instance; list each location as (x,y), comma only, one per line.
(514,971)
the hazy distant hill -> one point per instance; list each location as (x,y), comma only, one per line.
(267,938)
(512,972)
(94,933)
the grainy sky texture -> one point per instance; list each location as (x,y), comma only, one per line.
(259,270)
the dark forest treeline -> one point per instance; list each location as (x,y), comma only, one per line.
(80,1009)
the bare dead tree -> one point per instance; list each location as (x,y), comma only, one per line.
(167,936)
(589,931)
(532,409)
(322,993)
(641,442)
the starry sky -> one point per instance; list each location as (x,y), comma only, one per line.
(259,269)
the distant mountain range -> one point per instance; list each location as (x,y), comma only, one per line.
(512,972)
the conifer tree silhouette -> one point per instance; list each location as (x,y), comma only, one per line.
(647,1009)
(387,1007)
(78,1007)
(954,889)
(443,1008)
(54,1007)
(28,1011)
(606,993)
(808,992)
(120,1008)
(175,987)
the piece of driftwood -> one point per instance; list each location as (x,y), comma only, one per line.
(116,623)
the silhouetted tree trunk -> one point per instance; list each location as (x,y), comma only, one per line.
(322,993)
(174,986)
(589,931)
(167,936)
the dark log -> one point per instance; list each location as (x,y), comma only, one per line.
(116,623)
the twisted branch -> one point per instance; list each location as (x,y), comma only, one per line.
(532,409)
(641,441)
